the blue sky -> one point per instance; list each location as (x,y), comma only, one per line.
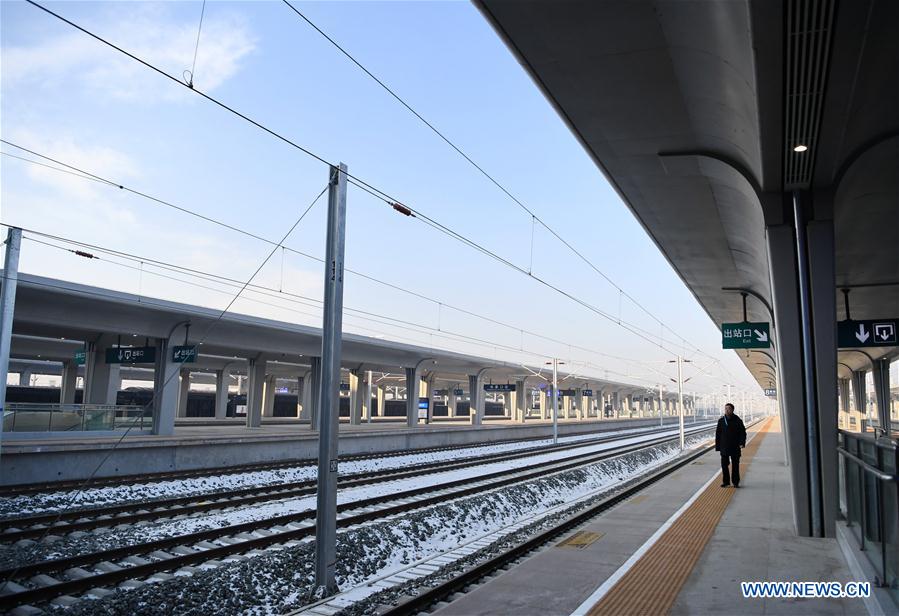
(68,96)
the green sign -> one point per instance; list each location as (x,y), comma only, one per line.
(131,355)
(80,357)
(745,335)
(184,354)
(870,333)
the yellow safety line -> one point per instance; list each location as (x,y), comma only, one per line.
(651,586)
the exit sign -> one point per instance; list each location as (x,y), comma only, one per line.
(746,335)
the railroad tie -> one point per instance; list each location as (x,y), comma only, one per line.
(651,586)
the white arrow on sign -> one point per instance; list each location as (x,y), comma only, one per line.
(762,336)
(861,334)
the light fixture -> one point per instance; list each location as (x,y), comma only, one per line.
(800,148)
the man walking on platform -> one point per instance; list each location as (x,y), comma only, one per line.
(730,437)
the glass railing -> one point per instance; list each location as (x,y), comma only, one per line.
(869,500)
(39,417)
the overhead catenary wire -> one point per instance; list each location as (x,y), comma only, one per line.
(392,201)
(535,218)
(272,293)
(88,175)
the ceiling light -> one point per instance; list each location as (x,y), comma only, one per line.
(800,148)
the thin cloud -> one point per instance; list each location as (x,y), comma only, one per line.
(149,33)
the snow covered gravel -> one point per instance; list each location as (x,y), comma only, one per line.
(137,492)
(279,580)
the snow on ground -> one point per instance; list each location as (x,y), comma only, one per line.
(73,545)
(93,497)
(280,580)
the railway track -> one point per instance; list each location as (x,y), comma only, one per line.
(60,523)
(54,486)
(61,578)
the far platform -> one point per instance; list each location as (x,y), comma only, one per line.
(199,444)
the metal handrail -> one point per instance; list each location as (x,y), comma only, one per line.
(871,469)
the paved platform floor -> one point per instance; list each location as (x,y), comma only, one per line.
(754,541)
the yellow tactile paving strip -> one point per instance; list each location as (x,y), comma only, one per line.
(653,583)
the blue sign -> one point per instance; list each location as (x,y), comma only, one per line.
(423,406)
(587,392)
(344,387)
(499,387)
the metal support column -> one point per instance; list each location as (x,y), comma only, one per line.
(881,373)
(7,309)
(328,409)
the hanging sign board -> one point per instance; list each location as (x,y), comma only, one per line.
(746,335)
(441,392)
(80,357)
(568,392)
(587,393)
(131,355)
(499,387)
(869,333)
(184,354)
(344,387)
(771,393)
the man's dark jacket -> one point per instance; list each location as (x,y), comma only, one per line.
(730,435)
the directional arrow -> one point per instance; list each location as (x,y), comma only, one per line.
(762,336)
(862,334)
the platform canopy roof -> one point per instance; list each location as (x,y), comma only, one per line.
(54,317)
(692,110)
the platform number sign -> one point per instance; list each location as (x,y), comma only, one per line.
(771,393)
(870,333)
(746,335)
(80,357)
(184,354)
(499,387)
(587,393)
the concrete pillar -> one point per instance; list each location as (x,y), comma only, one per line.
(522,400)
(101,380)
(357,394)
(381,400)
(306,395)
(509,406)
(67,385)
(268,395)
(566,406)
(413,379)
(881,373)
(797,350)
(542,401)
(25,377)
(451,400)
(222,378)
(844,395)
(301,391)
(183,389)
(255,391)
(476,396)
(165,389)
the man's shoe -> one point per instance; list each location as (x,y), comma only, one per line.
(725,485)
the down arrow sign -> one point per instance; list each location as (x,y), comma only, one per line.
(862,335)
(762,336)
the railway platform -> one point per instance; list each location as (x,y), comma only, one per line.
(204,446)
(683,546)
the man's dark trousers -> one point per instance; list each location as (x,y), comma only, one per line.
(734,472)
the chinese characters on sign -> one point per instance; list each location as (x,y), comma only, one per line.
(745,335)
